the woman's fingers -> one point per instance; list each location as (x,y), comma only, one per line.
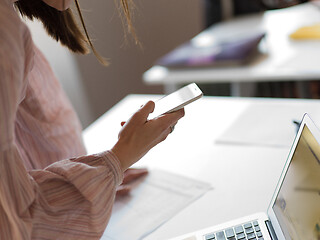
(148,107)
(132,174)
(141,116)
(170,119)
(175,116)
(139,135)
(144,112)
(123,190)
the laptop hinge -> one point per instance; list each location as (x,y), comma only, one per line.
(271,230)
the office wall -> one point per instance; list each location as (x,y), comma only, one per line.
(160,24)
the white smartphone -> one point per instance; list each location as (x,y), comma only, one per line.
(176,100)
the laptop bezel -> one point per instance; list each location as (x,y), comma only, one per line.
(306,121)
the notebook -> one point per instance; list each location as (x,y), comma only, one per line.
(233,51)
(294,211)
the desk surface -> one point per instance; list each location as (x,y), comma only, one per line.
(243,176)
(285,59)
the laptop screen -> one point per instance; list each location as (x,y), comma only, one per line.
(297,205)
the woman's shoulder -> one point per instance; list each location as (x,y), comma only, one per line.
(7,12)
(15,40)
(11,26)
(16,51)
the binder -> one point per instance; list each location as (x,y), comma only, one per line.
(234,51)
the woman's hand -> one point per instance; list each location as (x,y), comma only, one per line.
(129,177)
(139,134)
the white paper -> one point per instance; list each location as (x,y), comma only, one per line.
(274,129)
(152,202)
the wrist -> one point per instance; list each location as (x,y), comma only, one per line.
(118,150)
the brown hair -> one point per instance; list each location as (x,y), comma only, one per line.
(61,25)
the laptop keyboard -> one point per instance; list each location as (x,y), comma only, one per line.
(247,231)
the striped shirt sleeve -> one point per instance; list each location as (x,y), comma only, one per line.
(69,199)
(16,189)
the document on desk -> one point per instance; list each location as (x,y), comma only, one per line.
(274,124)
(152,202)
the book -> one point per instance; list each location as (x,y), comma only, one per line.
(236,50)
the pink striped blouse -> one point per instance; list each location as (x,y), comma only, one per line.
(49,189)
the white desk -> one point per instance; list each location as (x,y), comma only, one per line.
(243,176)
(285,59)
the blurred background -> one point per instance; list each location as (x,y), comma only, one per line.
(92,88)
(161,25)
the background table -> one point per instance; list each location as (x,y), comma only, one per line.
(283,60)
(243,176)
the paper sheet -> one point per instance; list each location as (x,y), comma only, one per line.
(275,129)
(151,203)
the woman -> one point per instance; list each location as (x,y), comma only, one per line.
(49,189)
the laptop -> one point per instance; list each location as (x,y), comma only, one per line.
(294,211)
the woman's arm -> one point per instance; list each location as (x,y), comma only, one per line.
(70,199)
(16,188)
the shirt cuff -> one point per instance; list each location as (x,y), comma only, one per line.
(112,160)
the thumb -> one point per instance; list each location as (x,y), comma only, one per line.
(147,109)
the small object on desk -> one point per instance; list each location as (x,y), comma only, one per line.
(311,32)
(254,127)
(297,123)
(237,50)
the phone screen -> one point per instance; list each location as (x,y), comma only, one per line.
(176,100)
